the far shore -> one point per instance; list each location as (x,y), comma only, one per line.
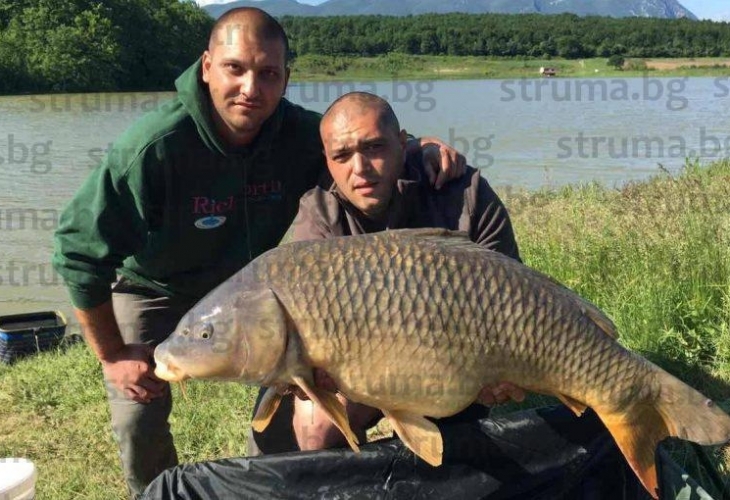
(408,67)
(404,67)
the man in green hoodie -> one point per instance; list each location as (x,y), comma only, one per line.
(187,196)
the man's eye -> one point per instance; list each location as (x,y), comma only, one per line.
(270,74)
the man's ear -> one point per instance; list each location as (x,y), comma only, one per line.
(206,63)
(403,138)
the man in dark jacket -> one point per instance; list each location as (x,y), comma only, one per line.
(376,188)
(188,195)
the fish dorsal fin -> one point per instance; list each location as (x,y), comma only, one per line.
(265,412)
(419,434)
(331,406)
(587,308)
(605,324)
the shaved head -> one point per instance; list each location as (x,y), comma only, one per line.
(246,70)
(251,22)
(359,103)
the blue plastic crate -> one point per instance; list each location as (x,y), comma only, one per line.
(25,334)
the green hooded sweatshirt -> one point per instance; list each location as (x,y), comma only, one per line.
(174,208)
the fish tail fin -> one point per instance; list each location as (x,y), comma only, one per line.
(678,411)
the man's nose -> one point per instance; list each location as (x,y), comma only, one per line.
(360,163)
(249,85)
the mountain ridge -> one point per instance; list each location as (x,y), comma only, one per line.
(668,9)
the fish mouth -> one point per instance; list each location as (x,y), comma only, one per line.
(169,373)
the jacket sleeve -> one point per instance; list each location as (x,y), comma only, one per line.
(491,223)
(317,217)
(102,225)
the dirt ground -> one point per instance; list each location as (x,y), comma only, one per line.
(668,64)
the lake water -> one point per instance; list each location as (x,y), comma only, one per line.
(528,133)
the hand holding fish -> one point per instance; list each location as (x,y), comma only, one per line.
(503,392)
(131,371)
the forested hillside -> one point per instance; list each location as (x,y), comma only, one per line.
(508,35)
(74,45)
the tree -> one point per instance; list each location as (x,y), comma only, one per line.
(80,54)
(87,45)
(616,61)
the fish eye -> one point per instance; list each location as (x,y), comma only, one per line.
(206,332)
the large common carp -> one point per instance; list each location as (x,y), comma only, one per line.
(416,322)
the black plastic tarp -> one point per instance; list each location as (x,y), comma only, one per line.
(539,454)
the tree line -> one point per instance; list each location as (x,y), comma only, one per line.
(93,45)
(508,35)
(90,45)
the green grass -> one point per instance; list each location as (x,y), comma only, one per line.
(53,410)
(404,67)
(654,255)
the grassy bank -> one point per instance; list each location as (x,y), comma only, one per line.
(401,66)
(655,256)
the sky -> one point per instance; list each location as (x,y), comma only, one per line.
(718,10)
(208,2)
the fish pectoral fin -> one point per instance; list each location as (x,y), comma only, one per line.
(332,407)
(576,406)
(419,434)
(268,406)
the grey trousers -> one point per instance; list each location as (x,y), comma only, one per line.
(141,430)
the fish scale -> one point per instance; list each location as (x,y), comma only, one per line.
(416,323)
(370,301)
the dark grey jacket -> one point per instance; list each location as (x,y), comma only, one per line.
(466,204)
